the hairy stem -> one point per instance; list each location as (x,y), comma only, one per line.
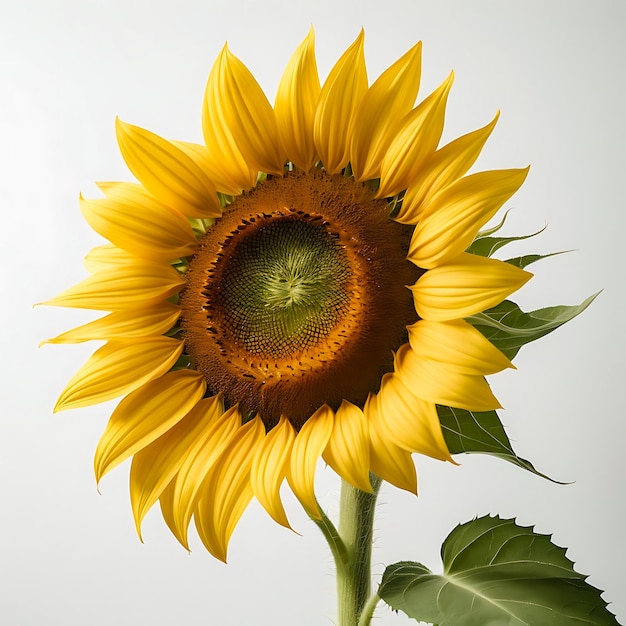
(356,525)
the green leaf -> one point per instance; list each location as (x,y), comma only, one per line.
(476,432)
(486,246)
(509,328)
(496,573)
(524,261)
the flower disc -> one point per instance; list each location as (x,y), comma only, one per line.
(297,297)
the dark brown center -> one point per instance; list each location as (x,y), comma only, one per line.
(297,297)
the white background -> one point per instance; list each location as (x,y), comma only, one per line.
(69,556)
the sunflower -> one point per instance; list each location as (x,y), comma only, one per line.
(294,288)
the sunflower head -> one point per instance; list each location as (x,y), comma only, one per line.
(294,287)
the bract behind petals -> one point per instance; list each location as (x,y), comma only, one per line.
(296,103)
(381,112)
(235,99)
(466,285)
(339,99)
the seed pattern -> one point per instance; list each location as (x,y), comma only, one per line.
(284,286)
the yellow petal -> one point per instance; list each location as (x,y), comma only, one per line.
(167,172)
(296,103)
(438,383)
(381,111)
(129,324)
(441,169)
(307,449)
(235,99)
(213,165)
(156,465)
(181,500)
(166,504)
(269,468)
(416,140)
(116,288)
(454,216)
(466,285)
(130,193)
(119,367)
(388,460)
(148,229)
(339,99)
(227,490)
(409,421)
(348,449)
(232,168)
(144,415)
(107,257)
(457,344)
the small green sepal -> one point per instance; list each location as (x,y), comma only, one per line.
(486,246)
(527,259)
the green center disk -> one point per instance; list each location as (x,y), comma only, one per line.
(285,287)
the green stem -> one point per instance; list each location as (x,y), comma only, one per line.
(356,525)
(337,547)
(368,610)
